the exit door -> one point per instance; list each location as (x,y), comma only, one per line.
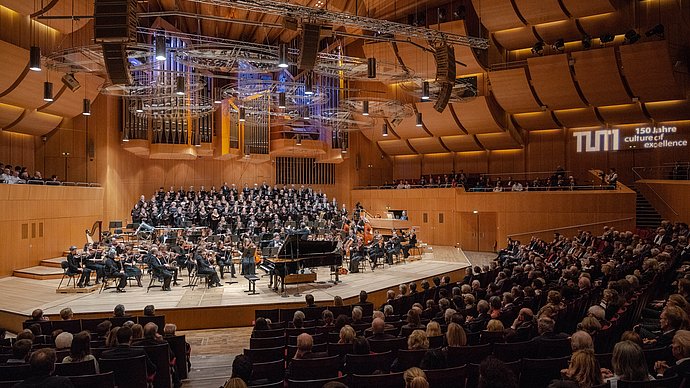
(478,231)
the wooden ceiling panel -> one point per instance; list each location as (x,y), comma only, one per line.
(536,121)
(599,78)
(421,61)
(623,114)
(581,8)
(60,8)
(461,143)
(36,123)
(579,117)
(373,131)
(540,11)
(563,29)
(647,68)
(553,82)
(512,91)
(439,124)
(14,61)
(396,147)
(516,38)
(497,14)
(598,25)
(69,103)
(476,116)
(9,114)
(498,141)
(464,54)
(669,110)
(408,128)
(428,145)
(29,93)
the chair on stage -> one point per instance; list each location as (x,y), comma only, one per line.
(71,277)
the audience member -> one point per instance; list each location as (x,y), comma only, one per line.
(42,363)
(80,350)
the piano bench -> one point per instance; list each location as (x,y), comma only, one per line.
(252,284)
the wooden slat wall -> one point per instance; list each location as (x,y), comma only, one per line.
(512,91)
(439,124)
(553,82)
(598,76)
(650,81)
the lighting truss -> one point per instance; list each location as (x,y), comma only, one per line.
(319,15)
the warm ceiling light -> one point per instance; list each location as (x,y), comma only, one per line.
(35,58)
(559,45)
(371,67)
(283,56)
(161,50)
(243,115)
(281,100)
(308,84)
(306,114)
(538,48)
(425,90)
(419,119)
(48,91)
(125,136)
(299,140)
(179,85)
(384,130)
(365,108)
(139,107)
(86,107)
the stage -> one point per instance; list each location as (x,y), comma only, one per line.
(228,306)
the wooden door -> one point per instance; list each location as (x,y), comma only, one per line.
(468,230)
(487,231)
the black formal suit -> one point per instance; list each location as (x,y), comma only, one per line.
(381,337)
(45,382)
(682,369)
(203,267)
(159,270)
(126,351)
(74,267)
(112,270)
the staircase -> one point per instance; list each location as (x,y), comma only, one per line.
(646,216)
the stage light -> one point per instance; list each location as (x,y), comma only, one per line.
(125,136)
(283,56)
(384,130)
(308,84)
(161,50)
(365,108)
(179,85)
(586,42)
(657,30)
(607,38)
(299,140)
(281,100)
(247,151)
(306,114)
(71,82)
(559,45)
(86,107)
(371,67)
(419,119)
(243,115)
(48,91)
(139,106)
(538,48)
(197,139)
(631,37)
(35,58)
(425,90)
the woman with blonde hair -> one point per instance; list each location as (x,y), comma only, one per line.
(411,374)
(455,335)
(417,341)
(628,364)
(347,335)
(494,325)
(433,329)
(235,382)
(584,369)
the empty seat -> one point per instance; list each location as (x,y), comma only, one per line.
(387,345)
(75,368)
(266,354)
(128,372)
(262,343)
(314,368)
(366,364)
(553,348)
(268,333)
(292,350)
(14,372)
(461,355)
(102,380)
(513,351)
(273,371)
(669,382)
(449,377)
(318,383)
(408,358)
(386,380)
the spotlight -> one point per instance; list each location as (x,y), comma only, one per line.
(425,90)
(283,56)
(441,15)
(179,85)
(586,42)
(243,115)
(306,114)
(371,67)
(299,140)
(71,82)
(607,38)
(125,136)
(247,151)
(631,37)
(139,107)
(657,30)
(365,108)
(308,84)
(35,58)
(559,45)
(160,48)
(343,148)
(460,12)
(281,100)
(538,48)
(86,107)
(384,130)
(419,119)
(48,91)
(197,139)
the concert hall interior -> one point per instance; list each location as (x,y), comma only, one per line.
(410,193)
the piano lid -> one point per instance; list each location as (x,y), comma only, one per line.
(297,246)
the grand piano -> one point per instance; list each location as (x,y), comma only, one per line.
(299,252)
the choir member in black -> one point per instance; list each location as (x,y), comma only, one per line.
(113,270)
(393,247)
(411,243)
(248,250)
(376,252)
(94,261)
(204,267)
(357,254)
(75,267)
(224,259)
(158,268)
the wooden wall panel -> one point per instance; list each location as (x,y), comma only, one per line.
(515,38)
(477,116)
(540,11)
(598,76)
(9,114)
(497,15)
(580,8)
(498,141)
(408,128)
(438,164)
(36,123)
(545,150)
(512,91)
(15,61)
(461,143)
(506,162)
(396,147)
(562,29)
(439,124)
(472,162)
(669,198)
(623,114)
(553,82)
(535,120)
(407,167)
(649,83)
(578,117)
(668,110)
(17,149)
(427,145)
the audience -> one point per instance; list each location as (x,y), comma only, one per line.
(80,350)
(42,363)
(628,364)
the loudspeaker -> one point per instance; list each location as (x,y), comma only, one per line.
(116,63)
(71,82)
(443,97)
(445,64)
(115,21)
(311,35)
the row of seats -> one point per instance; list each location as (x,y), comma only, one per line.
(76,325)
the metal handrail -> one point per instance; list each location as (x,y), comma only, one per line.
(58,183)
(566,172)
(572,226)
(653,191)
(490,189)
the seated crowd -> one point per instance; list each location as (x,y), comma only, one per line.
(575,312)
(95,352)
(20,174)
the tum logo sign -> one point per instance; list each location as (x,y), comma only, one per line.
(599,140)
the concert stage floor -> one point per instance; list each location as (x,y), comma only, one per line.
(228,306)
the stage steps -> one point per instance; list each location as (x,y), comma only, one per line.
(54,263)
(39,272)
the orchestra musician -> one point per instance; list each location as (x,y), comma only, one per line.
(114,269)
(204,267)
(248,263)
(376,252)
(393,247)
(224,259)
(129,263)
(411,243)
(94,261)
(75,266)
(158,269)
(357,254)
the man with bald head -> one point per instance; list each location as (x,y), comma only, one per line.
(524,327)
(378,327)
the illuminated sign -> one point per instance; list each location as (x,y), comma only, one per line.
(643,137)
